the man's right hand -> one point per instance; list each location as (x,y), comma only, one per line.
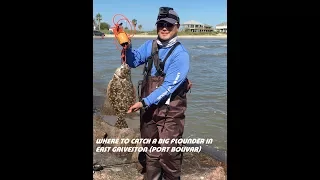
(126,44)
(135,107)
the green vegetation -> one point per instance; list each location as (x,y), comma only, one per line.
(99,18)
(104,27)
(134,23)
(101,26)
(181,33)
(198,33)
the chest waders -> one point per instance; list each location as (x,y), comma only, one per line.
(162,121)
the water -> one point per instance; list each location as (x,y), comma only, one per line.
(206,116)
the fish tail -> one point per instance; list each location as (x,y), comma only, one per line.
(121,121)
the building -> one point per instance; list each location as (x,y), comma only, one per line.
(222,27)
(195,26)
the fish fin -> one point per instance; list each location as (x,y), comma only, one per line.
(121,121)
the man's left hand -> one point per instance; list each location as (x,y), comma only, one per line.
(135,107)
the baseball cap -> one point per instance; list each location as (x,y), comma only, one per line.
(168,14)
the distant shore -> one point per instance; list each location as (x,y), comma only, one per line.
(179,36)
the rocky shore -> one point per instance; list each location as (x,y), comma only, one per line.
(126,165)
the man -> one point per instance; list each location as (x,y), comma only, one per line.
(163,94)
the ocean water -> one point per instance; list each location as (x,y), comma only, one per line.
(206,115)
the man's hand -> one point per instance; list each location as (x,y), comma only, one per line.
(135,107)
(126,44)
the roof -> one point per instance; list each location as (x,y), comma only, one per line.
(222,24)
(192,22)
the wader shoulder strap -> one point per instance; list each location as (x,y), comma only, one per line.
(154,54)
(154,58)
(160,65)
(169,53)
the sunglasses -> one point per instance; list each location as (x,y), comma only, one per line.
(164,25)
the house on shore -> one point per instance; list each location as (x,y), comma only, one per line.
(195,26)
(222,27)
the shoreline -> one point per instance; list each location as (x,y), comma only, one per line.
(179,36)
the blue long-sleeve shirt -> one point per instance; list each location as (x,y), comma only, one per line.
(176,69)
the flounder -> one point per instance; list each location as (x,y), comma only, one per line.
(121,94)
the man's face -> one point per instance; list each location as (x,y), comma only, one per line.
(166,30)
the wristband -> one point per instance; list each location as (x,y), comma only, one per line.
(143,103)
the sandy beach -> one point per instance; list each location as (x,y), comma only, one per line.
(179,36)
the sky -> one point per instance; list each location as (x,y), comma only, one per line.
(210,12)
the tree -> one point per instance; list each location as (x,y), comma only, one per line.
(104,25)
(99,18)
(94,24)
(134,23)
(140,27)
